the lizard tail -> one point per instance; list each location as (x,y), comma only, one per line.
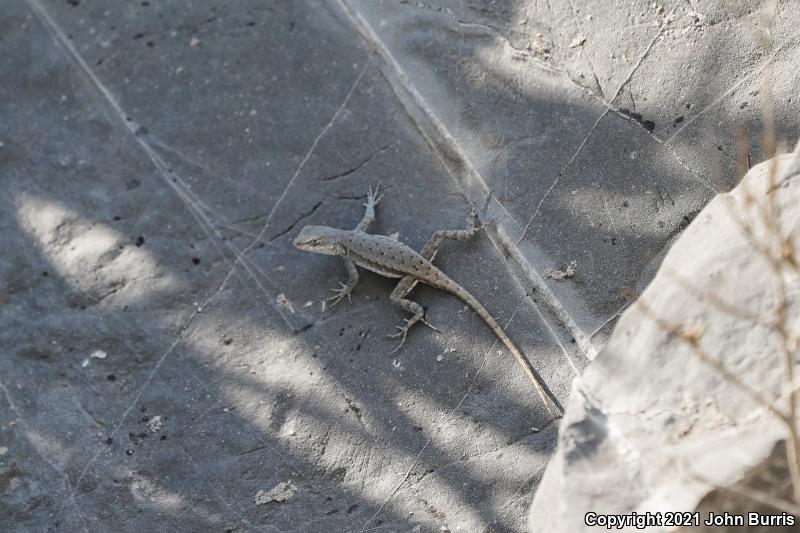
(476,306)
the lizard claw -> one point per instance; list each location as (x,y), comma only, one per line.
(402,334)
(474,221)
(429,325)
(373,197)
(341,292)
(403,331)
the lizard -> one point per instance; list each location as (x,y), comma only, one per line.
(388,257)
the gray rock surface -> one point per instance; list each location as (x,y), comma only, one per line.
(144,148)
(602,127)
(157,158)
(653,426)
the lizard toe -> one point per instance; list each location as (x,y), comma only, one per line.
(434,328)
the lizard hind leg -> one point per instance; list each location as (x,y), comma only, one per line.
(432,247)
(398,297)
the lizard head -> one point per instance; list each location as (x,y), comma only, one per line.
(317,239)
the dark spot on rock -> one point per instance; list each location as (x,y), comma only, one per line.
(329,498)
(143,409)
(138,36)
(227,341)
(74,3)
(33,353)
(417,428)
(145,3)
(352,508)
(251,23)
(141,130)
(332,511)
(45,273)
(196,260)
(291,26)
(150,44)
(117,218)
(677,121)
(132,184)
(145,418)
(162,437)
(139,241)
(632,114)
(625,203)
(339,474)
(111,377)
(358,347)
(572,340)
(109,440)
(649,125)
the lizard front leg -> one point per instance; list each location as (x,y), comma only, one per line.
(346,288)
(373,197)
(398,297)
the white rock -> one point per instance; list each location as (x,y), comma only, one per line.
(282,492)
(651,427)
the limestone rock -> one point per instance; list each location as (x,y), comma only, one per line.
(651,425)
